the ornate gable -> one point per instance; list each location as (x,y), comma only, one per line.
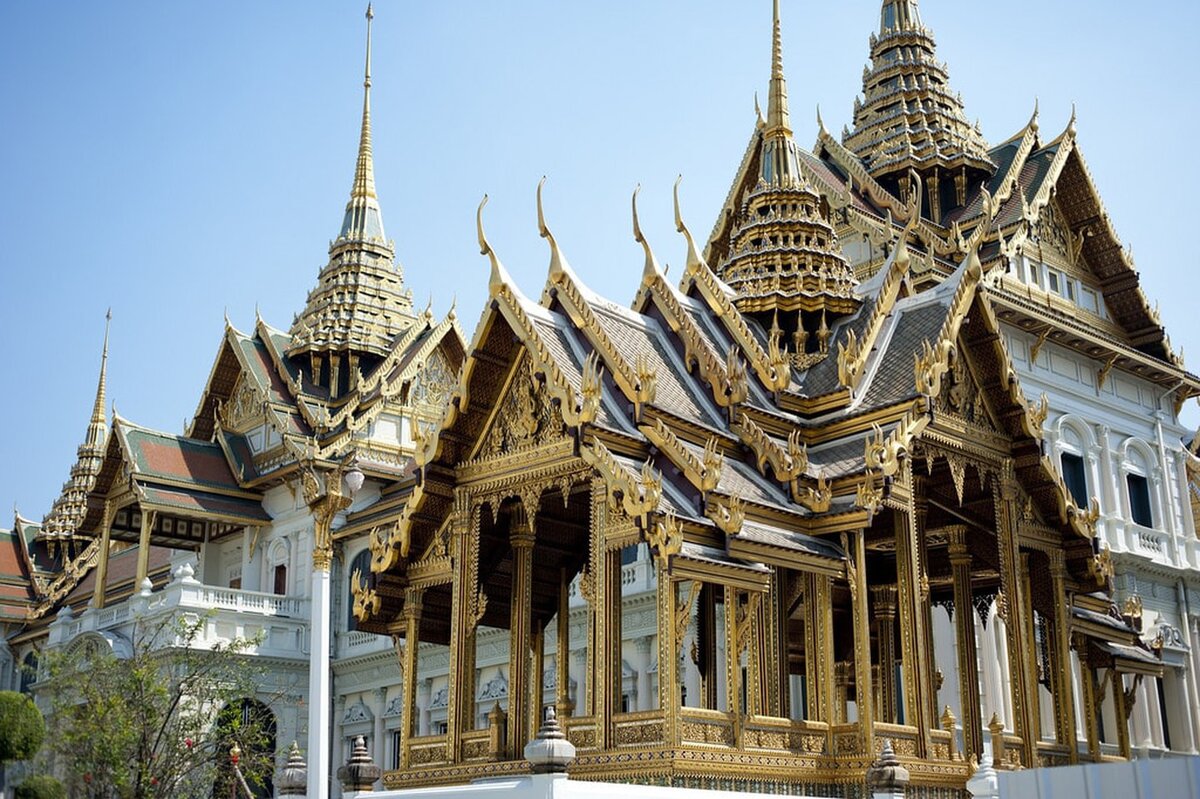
(524,419)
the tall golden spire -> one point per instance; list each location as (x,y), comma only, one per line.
(775,245)
(97,425)
(363,217)
(777,102)
(360,304)
(908,118)
(69,510)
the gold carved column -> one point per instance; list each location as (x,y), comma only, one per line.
(102,555)
(411,617)
(521,538)
(818,647)
(563,706)
(143,557)
(912,594)
(672,625)
(1060,657)
(1005,495)
(964,628)
(465,609)
(884,601)
(864,695)
(1091,698)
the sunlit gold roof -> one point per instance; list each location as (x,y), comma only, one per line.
(778,251)
(359,304)
(909,118)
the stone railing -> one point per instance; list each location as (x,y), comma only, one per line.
(277,624)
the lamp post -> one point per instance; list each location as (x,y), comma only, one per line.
(325,502)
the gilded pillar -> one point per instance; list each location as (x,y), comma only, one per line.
(1091,699)
(768,651)
(779,638)
(411,617)
(912,595)
(864,695)
(1013,604)
(465,610)
(1121,711)
(672,624)
(537,678)
(563,706)
(818,648)
(520,628)
(1030,661)
(143,558)
(102,562)
(964,628)
(841,686)
(733,656)
(884,601)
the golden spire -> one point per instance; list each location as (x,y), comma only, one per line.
(778,120)
(363,218)
(96,426)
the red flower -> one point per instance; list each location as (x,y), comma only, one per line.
(87,777)
(188,742)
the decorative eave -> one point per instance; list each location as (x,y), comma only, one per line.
(699,276)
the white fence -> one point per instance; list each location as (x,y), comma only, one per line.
(1172,778)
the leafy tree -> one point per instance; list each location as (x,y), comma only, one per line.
(143,723)
(41,787)
(22,727)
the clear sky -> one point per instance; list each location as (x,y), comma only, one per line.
(175,160)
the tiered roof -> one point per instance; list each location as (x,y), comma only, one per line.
(773,243)
(702,432)
(68,510)
(360,305)
(909,117)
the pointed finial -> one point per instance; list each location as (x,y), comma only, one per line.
(499,277)
(228,324)
(1071,124)
(559,267)
(96,424)
(777,105)
(1033,120)
(363,218)
(760,121)
(651,269)
(694,260)
(453,312)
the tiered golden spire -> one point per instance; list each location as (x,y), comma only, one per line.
(363,218)
(360,305)
(783,255)
(68,511)
(909,119)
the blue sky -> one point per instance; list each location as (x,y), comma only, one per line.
(179,160)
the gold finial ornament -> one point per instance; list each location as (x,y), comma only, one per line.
(651,270)
(499,277)
(559,268)
(778,119)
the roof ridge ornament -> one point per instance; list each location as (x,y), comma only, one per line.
(695,261)
(499,278)
(559,268)
(651,270)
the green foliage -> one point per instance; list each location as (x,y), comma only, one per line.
(147,725)
(22,727)
(41,787)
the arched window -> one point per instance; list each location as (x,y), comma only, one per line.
(361,564)
(29,670)
(1137,484)
(251,725)
(1074,467)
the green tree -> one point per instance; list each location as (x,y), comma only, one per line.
(144,723)
(22,727)
(41,787)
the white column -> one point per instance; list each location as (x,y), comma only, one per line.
(644,700)
(1140,736)
(377,745)
(318,688)
(1185,740)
